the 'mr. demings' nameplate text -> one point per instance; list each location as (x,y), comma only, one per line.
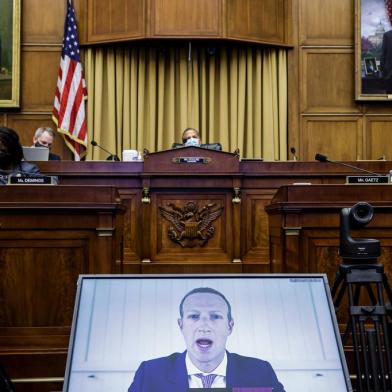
(26,180)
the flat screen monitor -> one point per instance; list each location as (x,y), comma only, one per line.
(263,333)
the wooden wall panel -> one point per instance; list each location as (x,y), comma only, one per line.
(265,21)
(43,21)
(80,7)
(322,252)
(39,69)
(324,54)
(110,20)
(47,270)
(40,59)
(325,87)
(26,124)
(338,137)
(260,20)
(54,235)
(41,36)
(132,235)
(255,245)
(378,130)
(326,22)
(186,18)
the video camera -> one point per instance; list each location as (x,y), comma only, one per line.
(360,250)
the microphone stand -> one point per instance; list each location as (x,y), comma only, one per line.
(293,151)
(355,167)
(111,157)
(323,158)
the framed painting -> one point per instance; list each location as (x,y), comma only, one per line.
(373,49)
(9,53)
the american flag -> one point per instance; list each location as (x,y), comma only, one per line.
(69,107)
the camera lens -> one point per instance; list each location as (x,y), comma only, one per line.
(361,213)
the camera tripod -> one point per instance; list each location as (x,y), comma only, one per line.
(369,321)
(5,382)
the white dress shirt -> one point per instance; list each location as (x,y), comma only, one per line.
(195,382)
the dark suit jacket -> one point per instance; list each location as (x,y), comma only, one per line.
(54,157)
(23,168)
(386,55)
(168,374)
(27,167)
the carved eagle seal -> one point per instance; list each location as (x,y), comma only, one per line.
(190,226)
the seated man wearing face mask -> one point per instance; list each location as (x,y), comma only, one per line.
(191,137)
(11,155)
(44,137)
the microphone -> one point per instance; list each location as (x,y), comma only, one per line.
(111,157)
(323,158)
(292,150)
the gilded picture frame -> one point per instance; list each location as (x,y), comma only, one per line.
(373,50)
(9,53)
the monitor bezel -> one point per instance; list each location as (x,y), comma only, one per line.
(322,276)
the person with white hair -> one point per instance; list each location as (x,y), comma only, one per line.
(44,137)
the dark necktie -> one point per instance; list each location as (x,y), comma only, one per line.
(206,380)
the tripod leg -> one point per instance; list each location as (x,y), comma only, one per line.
(387,352)
(357,346)
(372,347)
(347,331)
(373,359)
(387,287)
(5,382)
(372,297)
(386,326)
(338,280)
(357,293)
(339,296)
(337,292)
(385,332)
(365,352)
(384,377)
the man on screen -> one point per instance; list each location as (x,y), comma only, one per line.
(205,323)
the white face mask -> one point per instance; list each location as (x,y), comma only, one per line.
(193,141)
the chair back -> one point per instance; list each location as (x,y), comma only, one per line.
(212,146)
(209,146)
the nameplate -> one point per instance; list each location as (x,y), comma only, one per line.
(367,180)
(213,389)
(191,160)
(234,389)
(39,180)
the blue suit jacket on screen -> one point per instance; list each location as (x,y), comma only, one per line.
(169,374)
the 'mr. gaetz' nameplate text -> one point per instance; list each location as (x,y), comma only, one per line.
(367,180)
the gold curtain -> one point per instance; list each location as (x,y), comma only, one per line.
(143,97)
